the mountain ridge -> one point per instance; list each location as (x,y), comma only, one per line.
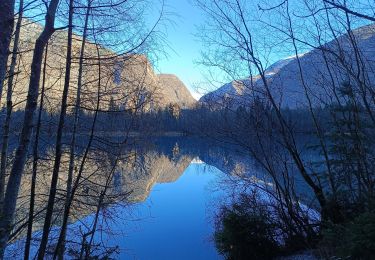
(324,69)
(128,79)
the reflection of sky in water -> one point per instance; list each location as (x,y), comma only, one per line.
(173,223)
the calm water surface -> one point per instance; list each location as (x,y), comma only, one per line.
(174,187)
(174,222)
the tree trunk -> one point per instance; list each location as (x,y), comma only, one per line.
(60,247)
(58,151)
(4,148)
(6,30)
(14,181)
(35,163)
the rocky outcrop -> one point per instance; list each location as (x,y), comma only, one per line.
(174,91)
(126,81)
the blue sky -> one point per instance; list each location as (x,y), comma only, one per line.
(184,49)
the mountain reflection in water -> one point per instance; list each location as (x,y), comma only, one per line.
(160,203)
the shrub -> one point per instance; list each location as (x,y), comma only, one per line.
(353,240)
(246,234)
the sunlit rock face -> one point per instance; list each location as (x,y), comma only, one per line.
(317,74)
(229,95)
(124,82)
(175,92)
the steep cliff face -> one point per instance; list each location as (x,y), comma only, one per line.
(324,70)
(173,90)
(128,81)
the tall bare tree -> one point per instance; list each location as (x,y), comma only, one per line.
(35,162)
(61,241)
(14,181)
(58,145)
(9,103)
(6,29)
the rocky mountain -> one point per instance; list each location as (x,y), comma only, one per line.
(324,70)
(228,95)
(174,91)
(127,81)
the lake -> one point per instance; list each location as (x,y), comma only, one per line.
(162,199)
(174,221)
